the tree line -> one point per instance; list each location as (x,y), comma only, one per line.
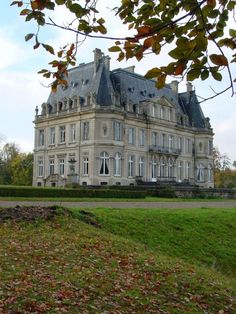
(16,168)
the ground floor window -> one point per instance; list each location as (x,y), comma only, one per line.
(40,168)
(141,167)
(170,169)
(51,166)
(162,168)
(200,172)
(131,166)
(104,163)
(62,167)
(85,166)
(210,173)
(154,169)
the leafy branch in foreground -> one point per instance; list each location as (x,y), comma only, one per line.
(197,34)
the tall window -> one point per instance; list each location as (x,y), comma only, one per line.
(170,169)
(154,110)
(41,137)
(154,169)
(117,165)
(40,168)
(163,140)
(210,173)
(171,141)
(85,166)
(72,133)
(188,146)
(62,133)
(61,167)
(52,136)
(187,175)
(200,172)
(154,138)
(169,114)
(131,166)
(131,136)
(162,112)
(162,168)
(141,137)
(85,131)
(180,170)
(141,167)
(51,166)
(180,143)
(118,131)
(104,163)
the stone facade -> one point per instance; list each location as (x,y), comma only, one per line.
(116,128)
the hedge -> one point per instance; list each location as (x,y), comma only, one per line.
(60,192)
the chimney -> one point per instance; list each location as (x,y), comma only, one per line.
(189,87)
(174,86)
(98,55)
(107,62)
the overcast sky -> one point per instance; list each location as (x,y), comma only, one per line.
(21,88)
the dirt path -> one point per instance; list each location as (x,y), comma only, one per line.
(132,204)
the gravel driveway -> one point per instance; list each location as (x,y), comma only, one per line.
(131,204)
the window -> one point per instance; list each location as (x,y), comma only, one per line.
(200,173)
(117,131)
(154,138)
(171,141)
(154,169)
(141,167)
(62,134)
(131,166)
(180,170)
(163,140)
(187,175)
(169,114)
(72,133)
(85,131)
(41,137)
(188,146)
(40,168)
(162,113)
(170,169)
(162,168)
(180,143)
(142,137)
(154,110)
(85,166)
(210,147)
(61,167)
(51,166)
(210,173)
(52,136)
(117,165)
(104,163)
(131,136)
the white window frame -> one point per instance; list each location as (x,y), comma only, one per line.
(131,166)
(85,165)
(141,168)
(180,170)
(131,136)
(104,164)
(142,137)
(52,138)
(62,167)
(41,137)
(40,168)
(51,166)
(154,169)
(85,131)
(154,138)
(72,133)
(200,173)
(117,131)
(62,134)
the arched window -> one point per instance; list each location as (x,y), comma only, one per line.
(131,166)
(188,169)
(104,163)
(162,168)
(170,169)
(200,172)
(141,167)
(117,165)
(180,170)
(154,169)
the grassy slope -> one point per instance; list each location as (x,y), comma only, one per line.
(66,266)
(206,236)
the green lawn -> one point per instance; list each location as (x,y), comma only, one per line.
(203,236)
(67,266)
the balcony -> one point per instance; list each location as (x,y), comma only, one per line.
(164,150)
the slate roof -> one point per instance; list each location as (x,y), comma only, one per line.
(131,87)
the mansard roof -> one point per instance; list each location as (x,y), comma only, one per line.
(96,79)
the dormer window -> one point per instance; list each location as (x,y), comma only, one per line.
(131,89)
(60,106)
(84,82)
(70,103)
(74,84)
